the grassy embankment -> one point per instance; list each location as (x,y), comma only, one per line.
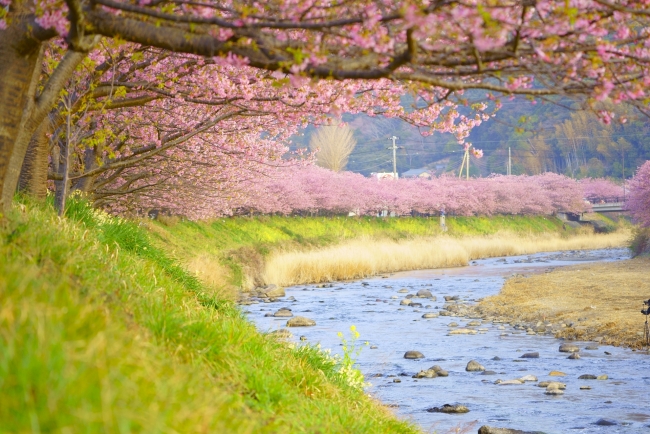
(285,250)
(101,332)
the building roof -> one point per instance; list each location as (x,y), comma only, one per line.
(413,173)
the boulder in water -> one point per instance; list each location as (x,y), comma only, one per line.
(569,348)
(474,366)
(413,355)
(300,321)
(534,355)
(449,408)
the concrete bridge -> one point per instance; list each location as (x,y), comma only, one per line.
(607,204)
(600,205)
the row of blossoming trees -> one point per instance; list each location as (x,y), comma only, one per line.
(313,189)
(309,190)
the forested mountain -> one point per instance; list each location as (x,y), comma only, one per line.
(541,137)
(547,137)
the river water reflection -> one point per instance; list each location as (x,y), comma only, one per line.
(394,329)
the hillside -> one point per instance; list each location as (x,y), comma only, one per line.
(541,137)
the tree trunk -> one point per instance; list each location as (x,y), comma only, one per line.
(87,183)
(18,63)
(33,176)
(35,112)
(60,187)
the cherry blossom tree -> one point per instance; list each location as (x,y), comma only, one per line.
(138,106)
(638,202)
(600,189)
(586,50)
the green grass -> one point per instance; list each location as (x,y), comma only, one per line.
(241,242)
(100,331)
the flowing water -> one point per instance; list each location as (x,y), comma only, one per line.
(392,329)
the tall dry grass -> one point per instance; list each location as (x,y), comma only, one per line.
(366,257)
(212,274)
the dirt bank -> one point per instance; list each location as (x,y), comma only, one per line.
(593,300)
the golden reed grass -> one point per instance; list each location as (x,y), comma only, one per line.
(366,257)
(212,274)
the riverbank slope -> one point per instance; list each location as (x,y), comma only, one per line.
(100,331)
(250,252)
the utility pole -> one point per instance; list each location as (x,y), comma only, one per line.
(509,162)
(465,160)
(623,157)
(394,148)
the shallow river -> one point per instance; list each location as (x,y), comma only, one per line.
(623,399)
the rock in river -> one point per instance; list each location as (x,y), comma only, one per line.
(528,378)
(554,391)
(429,373)
(283,313)
(424,293)
(587,377)
(430,315)
(463,332)
(474,366)
(413,355)
(485,429)
(271,291)
(509,382)
(569,348)
(449,408)
(300,321)
(439,371)
(605,422)
(552,385)
(534,355)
